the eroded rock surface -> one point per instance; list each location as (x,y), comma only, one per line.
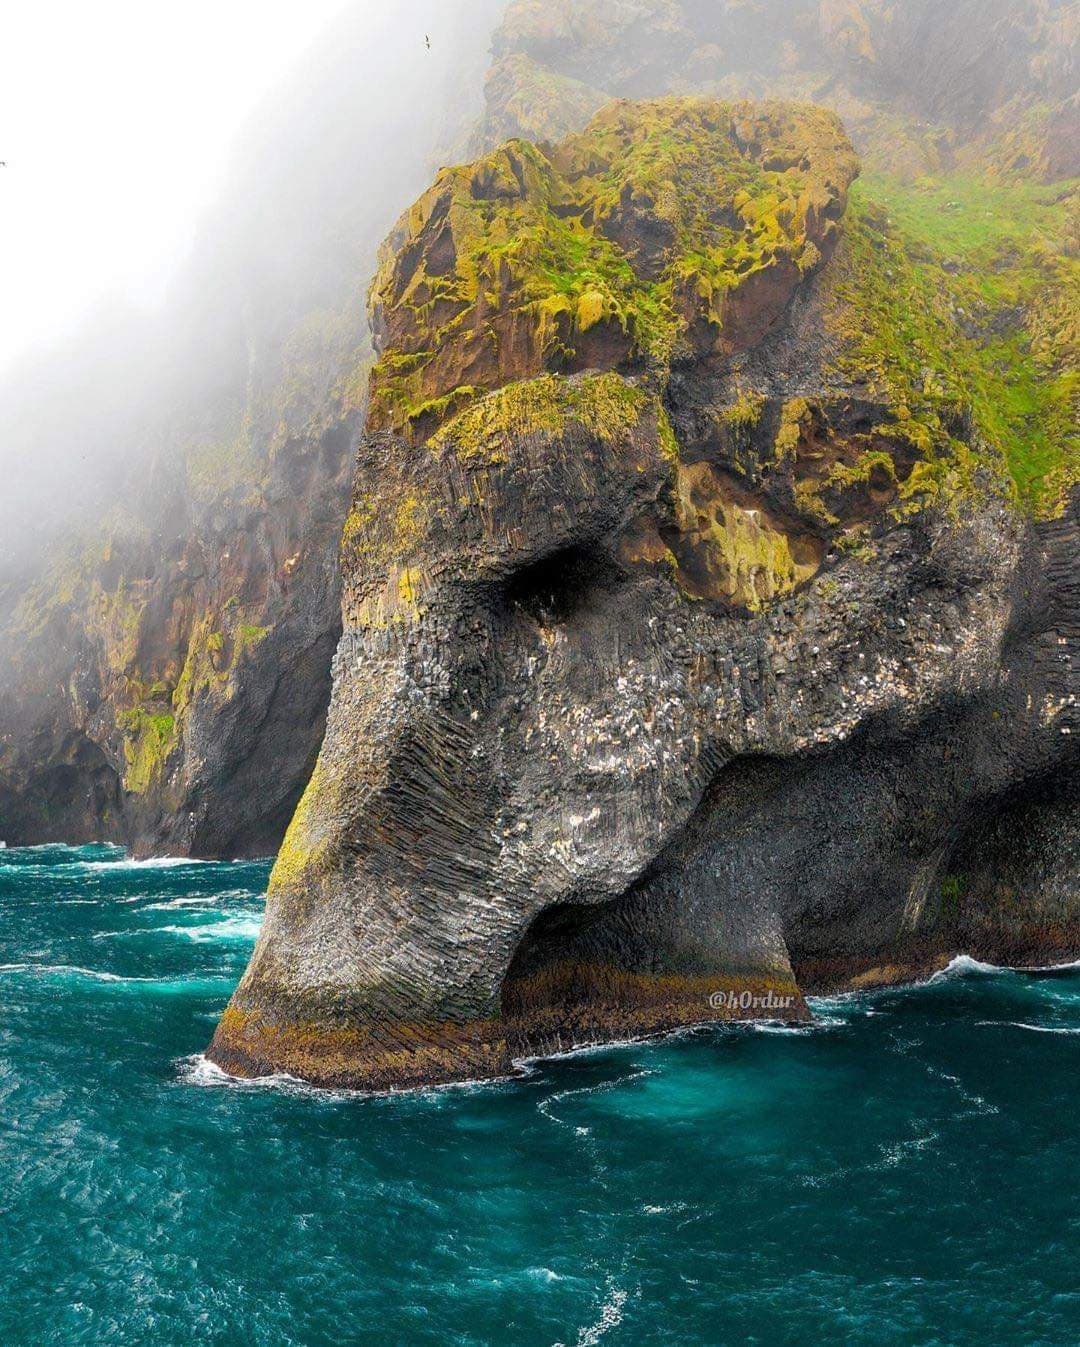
(691,631)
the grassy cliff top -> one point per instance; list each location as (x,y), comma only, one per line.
(958,298)
(675,226)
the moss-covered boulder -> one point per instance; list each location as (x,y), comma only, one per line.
(665,230)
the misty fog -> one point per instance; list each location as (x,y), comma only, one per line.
(310,179)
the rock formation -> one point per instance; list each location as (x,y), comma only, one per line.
(697,653)
(164,668)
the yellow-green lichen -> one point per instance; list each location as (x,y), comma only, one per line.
(383,534)
(669,444)
(744,413)
(306,849)
(794,417)
(605,405)
(247,636)
(758,560)
(408,589)
(202,670)
(526,261)
(149,738)
(729,550)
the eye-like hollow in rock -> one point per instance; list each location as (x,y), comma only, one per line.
(553,590)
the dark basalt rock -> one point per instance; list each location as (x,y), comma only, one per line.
(168,690)
(672,689)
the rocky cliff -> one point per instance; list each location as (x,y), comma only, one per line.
(166,675)
(709,575)
(169,587)
(700,648)
(164,660)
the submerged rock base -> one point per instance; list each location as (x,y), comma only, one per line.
(405,1055)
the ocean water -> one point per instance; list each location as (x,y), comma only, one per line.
(905,1172)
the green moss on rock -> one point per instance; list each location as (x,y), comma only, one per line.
(681,223)
(605,405)
(306,849)
(957,301)
(149,738)
(248,635)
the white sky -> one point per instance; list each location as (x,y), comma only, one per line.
(116,122)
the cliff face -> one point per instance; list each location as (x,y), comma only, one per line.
(164,665)
(921,86)
(707,631)
(170,594)
(696,651)
(166,678)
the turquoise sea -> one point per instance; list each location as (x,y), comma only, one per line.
(905,1172)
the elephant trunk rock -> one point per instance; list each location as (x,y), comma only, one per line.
(681,657)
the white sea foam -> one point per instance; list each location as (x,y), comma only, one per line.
(903,1150)
(1032,1028)
(200,1071)
(529,1064)
(600,1087)
(66,970)
(611,1316)
(965,966)
(979,1105)
(151,863)
(526,1065)
(62,847)
(199,900)
(229,929)
(202,985)
(232,928)
(846,1002)
(544,1274)
(962,966)
(779,1027)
